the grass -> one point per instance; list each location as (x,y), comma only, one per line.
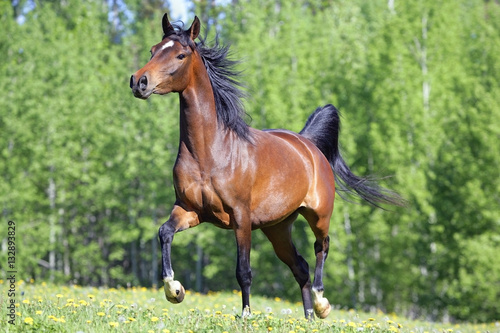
(42,307)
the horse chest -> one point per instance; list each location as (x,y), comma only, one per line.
(196,191)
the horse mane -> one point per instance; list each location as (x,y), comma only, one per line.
(227,90)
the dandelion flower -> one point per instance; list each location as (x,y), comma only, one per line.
(26,301)
(91,296)
(101,314)
(38,312)
(154,319)
(59,296)
(113,324)
(28,320)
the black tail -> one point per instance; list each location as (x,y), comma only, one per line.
(323,128)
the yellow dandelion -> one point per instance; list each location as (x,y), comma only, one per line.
(16,305)
(113,324)
(26,301)
(40,300)
(154,319)
(277,299)
(91,296)
(70,300)
(400,326)
(218,312)
(165,331)
(151,331)
(61,320)
(59,296)
(269,329)
(101,314)
(371,319)
(89,321)
(28,320)
(38,312)
(18,314)
(131,319)
(82,302)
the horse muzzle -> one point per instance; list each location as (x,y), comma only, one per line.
(140,86)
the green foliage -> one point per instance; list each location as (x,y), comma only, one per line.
(86,168)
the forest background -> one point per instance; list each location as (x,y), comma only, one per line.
(86,169)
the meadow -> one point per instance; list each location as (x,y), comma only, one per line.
(43,307)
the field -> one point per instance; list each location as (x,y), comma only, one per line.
(42,307)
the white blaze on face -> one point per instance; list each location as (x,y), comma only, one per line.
(166,45)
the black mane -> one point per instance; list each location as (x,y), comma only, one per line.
(223,77)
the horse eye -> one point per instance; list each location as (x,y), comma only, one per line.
(181,56)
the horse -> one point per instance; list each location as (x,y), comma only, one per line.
(240,178)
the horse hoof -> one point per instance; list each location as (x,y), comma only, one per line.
(322,308)
(174,291)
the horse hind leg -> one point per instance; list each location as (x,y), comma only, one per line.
(319,226)
(281,238)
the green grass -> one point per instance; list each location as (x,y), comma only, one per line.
(42,307)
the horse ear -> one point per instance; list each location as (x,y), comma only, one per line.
(194,29)
(167,27)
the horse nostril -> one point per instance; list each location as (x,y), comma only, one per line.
(132,82)
(143,83)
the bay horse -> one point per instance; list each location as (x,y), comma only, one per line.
(240,178)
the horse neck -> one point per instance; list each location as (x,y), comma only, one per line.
(198,116)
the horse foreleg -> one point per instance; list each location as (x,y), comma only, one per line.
(243,270)
(179,220)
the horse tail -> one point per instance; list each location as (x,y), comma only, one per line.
(323,128)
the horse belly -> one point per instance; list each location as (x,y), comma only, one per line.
(280,196)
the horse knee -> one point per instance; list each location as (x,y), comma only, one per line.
(165,231)
(244,276)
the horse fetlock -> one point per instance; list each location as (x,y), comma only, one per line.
(174,291)
(322,306)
